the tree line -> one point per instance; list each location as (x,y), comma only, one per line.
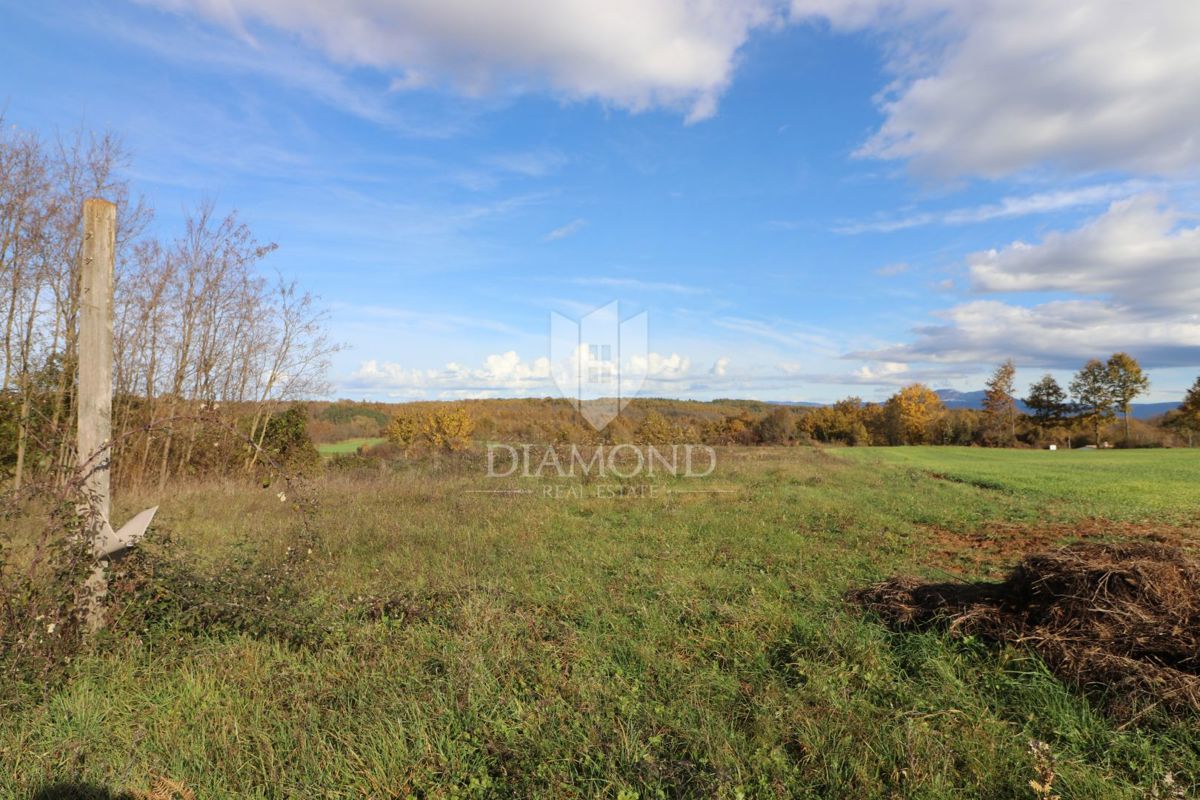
(915,414)
(1096,395)
(204,344)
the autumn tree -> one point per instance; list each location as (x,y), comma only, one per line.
(1126,381)
(403,430)
(732,429)
(444,429)
(912,412)
(202,342)
(1188,416)
(999,403)
(775,428)
(655,429)
(448,429)
(1091,389)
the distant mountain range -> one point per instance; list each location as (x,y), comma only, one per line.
(952,398)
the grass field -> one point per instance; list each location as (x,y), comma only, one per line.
(1160,485)
(457,644)
(346,446)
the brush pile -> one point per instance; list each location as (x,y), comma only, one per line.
(1123,619)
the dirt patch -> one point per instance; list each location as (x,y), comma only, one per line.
(1123,618)
(1003,544)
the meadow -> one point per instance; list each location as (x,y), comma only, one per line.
(348,446)
(626,639)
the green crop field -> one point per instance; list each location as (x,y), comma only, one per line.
(346,446)
(1158,485)
(668,641)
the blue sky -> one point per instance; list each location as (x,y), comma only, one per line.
(809,200)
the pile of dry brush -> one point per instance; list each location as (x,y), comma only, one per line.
(1121,618)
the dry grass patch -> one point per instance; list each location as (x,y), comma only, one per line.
(1123,618)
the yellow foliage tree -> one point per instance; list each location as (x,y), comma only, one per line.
(404,430)
(655,429)
(448,429)
(445,429)
(912,412)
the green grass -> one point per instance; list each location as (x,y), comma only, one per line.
(347,446)
(1114,484)
(680,645)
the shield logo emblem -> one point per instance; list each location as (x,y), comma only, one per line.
(599,362)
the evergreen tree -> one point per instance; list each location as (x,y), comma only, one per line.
(1092,390)
(1048,402)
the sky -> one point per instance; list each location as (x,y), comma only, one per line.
(808,199)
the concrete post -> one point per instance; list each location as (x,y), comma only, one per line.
(94,427)
(96,351)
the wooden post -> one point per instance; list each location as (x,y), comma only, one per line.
(95,351)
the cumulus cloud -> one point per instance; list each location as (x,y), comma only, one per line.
(884,372)
(1136,254)
(502,375)
(992,87)
(634,54)
(1055,334)
(986,87)
(503,371)
(1132,273)
(664,368)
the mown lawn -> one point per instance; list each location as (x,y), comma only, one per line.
(683,644)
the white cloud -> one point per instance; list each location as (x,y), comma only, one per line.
(570,229)
(1132,273)
(884,372)
(720,367)
(992,87)
(1005,208)
(640,285)
(634,54)
(1056,334)
(878,374)
(410,80)
(1135,254)
(659,367)
(500,371)
(500,374)
(982,87)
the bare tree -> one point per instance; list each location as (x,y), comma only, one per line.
(197,327)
